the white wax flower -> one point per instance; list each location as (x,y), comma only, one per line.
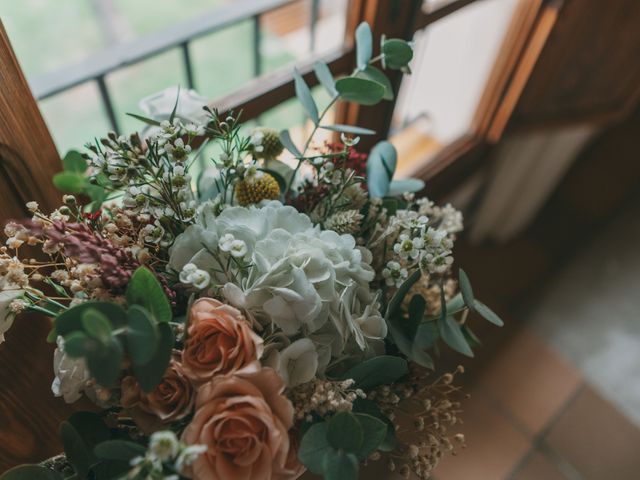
(7,312)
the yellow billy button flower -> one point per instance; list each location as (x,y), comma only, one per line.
(255,188)
(269,143)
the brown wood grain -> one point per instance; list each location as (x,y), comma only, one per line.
(29,414)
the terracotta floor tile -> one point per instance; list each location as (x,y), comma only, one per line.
(494,446)
(597,439)
(538,467)
(530,381)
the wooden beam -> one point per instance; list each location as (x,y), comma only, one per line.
(28,156)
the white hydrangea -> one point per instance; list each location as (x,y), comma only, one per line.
(304,280)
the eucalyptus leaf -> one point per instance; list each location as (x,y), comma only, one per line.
(345,432)
(378,76)
(324,76)
(452,335)
(397,53)
(30,472)
(71,319)
(78,345)
(122,450)
(96,325)
(369,407)
(406,185)
(381,166)
(348,129)
(73,161)
(396,301)
(360,90)
(106,365)
(471,338)
(488,314)
(142,335)
(364,45)
(77,453)
(91,428)
(285,139)
(374,433)
(339,465)
(379,370)
(314,446)
(145,290)
(466,290)
(69,182)
(304,96)
(150,374)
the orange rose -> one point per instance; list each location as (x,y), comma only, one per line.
(243,419)
(171,400)
(219,341)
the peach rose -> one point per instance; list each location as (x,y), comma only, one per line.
(219,341)
(243,418)
(171,400)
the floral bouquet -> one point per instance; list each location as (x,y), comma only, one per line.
(266,319)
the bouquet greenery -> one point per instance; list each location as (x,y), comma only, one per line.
(262,321)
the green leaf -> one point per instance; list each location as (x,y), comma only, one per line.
(71,319)
(142,335)
(30,472)
(380,370)
(452,335)
(324,76)
(339,465)
(69,182)
(90,427)
(471,338)
(467,291)
(345,432)
(397,53)
(78,345)
(148,121)
(150,374)
(487,313)
(304,96)
(360,90)
(396,301)
(106,365)
(369,407)
(381,165)
(75,449)
(175,106)
(374,433)
(313,447)
(348,129)
(145,290)
(406,185)
(74,162)
(285,139)
(122,450)
(96,325)
(364,45)
(378,76)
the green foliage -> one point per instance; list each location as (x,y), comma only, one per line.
(406,185)
(333,448)
(145,290)
(69,182)
(142,335)
(96,325)
(360,90)
(349,129)
(76,451)
(466,290)
(30,472)
(105,365)
(73,179)
(148,121)
(91,428)
(122,450)
(73,161)
(380,370)
(285,139)
(381,165)
(397,53)
(324,76)
(364,45)
(150,374)
(376,75)
(304,96)
(488,314)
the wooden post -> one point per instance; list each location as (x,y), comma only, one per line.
(394,19)
(28,156)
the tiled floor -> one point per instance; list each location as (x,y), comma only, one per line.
(533,417)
